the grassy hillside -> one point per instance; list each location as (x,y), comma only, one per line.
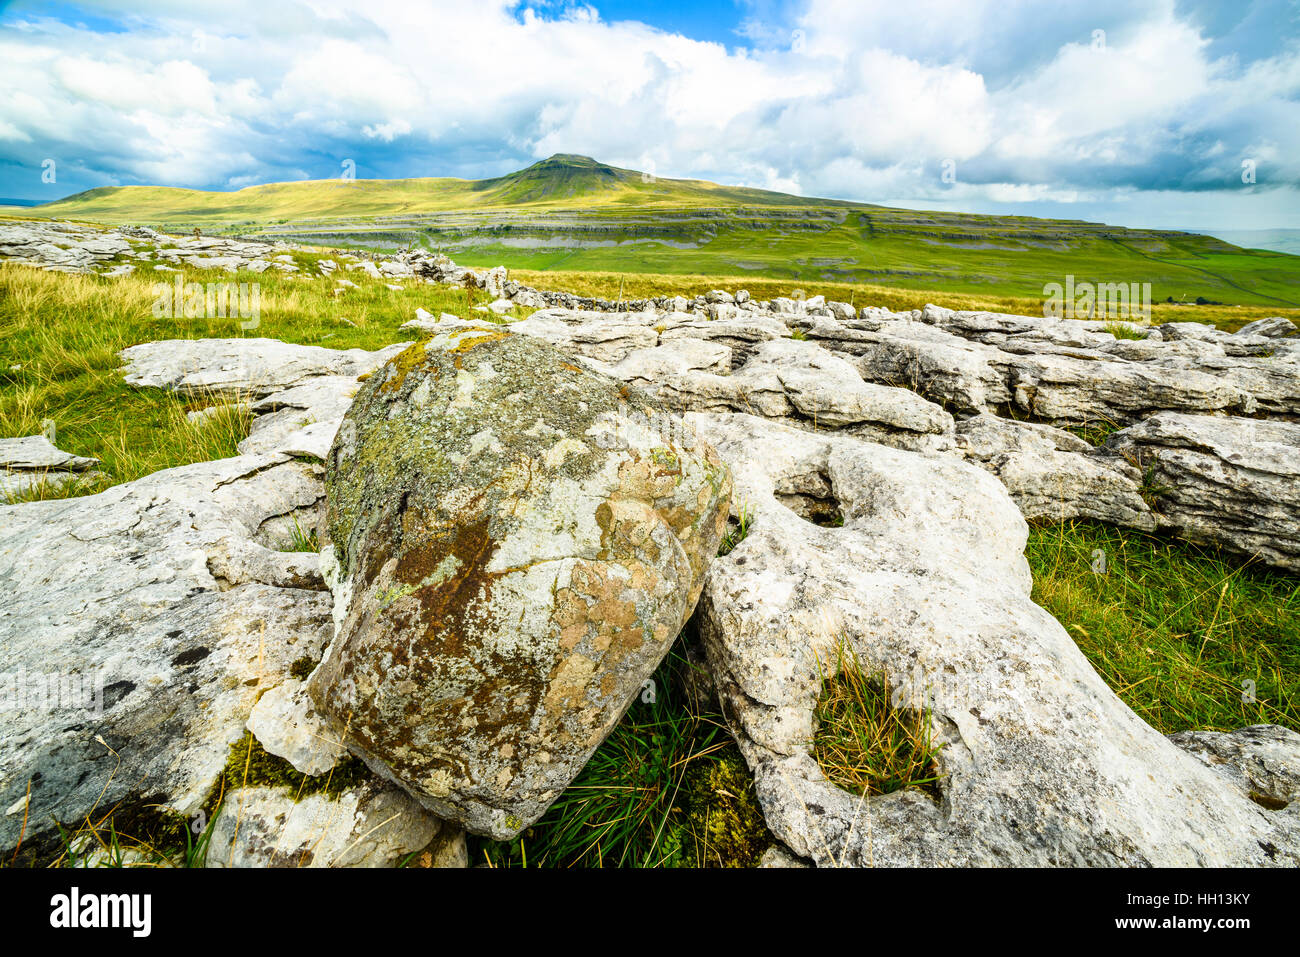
(555,182)
(575,214)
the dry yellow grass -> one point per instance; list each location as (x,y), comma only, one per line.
(647,285)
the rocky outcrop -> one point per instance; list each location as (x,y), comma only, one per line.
(82,248)
(1041,763)
(1054,475)
(1229,481)
(518,541)
(31,462)
(831,380)
(802,384)
(1075,385)
(518,528)
(137,646)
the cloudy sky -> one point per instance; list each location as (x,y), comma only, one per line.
(1135,112)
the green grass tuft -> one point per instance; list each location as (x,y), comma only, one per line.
(863,743)
(736,533)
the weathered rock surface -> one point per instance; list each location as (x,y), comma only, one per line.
(692,364)
(519,540)
(1273,327)
(1229,481)
(1071,385)
(244,367)
(286,724)
(1042,764)
(31,461)
(1262,761)
(780,857)
(300,420)
(372,825)
(128,599)
(808,386)
(1054,475)
(36,453)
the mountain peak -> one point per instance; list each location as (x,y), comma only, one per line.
(575,160)
(564,175)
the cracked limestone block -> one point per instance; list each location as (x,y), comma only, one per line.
(604,336)
(806,385)
(517,541)
(140,625)
(1054,475)
(286,724)
(369,825)
(31,463)
(1271,380)
(1040,762)
(742,331)
(300,420)
(678,357)
(1228,481)
(245,367)
(1059,385)
(1263,760)
(1272,327)
(35,453)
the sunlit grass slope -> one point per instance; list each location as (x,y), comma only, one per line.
(576,214)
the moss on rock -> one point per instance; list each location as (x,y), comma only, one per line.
(724,818)
(251,765)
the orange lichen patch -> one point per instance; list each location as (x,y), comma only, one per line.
(570,608)
(570,635)
(645,479)
(615,613)
(626,641)
(467,343)
(569,680)
(400,366)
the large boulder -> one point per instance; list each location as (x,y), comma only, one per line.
(516,541)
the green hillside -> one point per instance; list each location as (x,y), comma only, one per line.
(574,213)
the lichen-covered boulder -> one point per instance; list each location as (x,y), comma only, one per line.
(515,542)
